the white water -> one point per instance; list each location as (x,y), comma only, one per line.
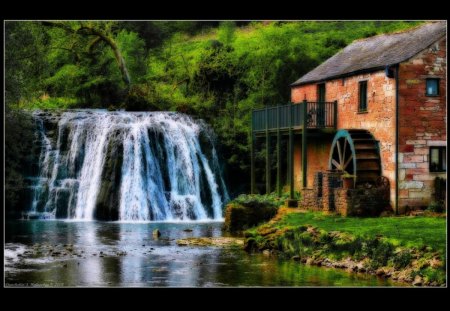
(164,172)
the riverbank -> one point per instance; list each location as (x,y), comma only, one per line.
(42,253)
(405,249)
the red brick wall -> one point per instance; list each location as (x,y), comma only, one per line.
(318,152)
(379,118)
(422,123)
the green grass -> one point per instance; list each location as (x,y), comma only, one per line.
(407,231)
(49,103)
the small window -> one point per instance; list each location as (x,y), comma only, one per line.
(362,107)
(321,92)
(432,87)
(438,159)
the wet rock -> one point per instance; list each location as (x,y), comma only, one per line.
(107,204)
(361,267)
(156,233)
(218,241)
(418,281)
(266,252)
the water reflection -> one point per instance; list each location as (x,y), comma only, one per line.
(127,254)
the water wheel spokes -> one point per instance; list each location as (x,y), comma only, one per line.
(355,152)
(342,157)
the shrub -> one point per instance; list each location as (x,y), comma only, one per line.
(436,207)
(257,199)
(247,212)
(381,254)
(402,259)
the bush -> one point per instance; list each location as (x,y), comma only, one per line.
(402,259)
(257,199)
(242,216)
(381,254)
(436,207)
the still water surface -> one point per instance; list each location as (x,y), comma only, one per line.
(107,254)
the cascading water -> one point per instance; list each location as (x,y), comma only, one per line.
(131,166)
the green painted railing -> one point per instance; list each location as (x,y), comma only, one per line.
(318,114)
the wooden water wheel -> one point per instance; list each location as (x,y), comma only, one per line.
(356,152)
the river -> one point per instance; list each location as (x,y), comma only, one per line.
(58,253)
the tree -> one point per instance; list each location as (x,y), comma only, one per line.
(99,32)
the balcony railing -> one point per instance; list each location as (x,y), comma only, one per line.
(318,115)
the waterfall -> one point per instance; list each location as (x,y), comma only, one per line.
(130,166)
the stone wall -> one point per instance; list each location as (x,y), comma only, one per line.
(328,195)
(309,200)
(360,202)
(422,124)
(331,181)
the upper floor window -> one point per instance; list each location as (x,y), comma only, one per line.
(432,87)
(321,92)
(362,96)
(438,159)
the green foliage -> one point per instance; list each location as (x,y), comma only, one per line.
(266,199)
(133,50)
(436,207)
(402,259)
(215,71)
(434,275)
(226,32)
(44,103)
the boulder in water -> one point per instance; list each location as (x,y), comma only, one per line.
(156,233)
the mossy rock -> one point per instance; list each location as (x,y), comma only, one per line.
(240,217)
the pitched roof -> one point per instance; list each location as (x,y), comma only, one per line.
(376,52)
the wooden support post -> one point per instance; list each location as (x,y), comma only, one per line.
(335,114)
(291,153)
(304,145)
(252,160)
(278,153)
(268,168)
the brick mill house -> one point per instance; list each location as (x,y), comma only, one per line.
(374,114)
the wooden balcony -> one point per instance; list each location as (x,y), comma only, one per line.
(319,115)
(305,118)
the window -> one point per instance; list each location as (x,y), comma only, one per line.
(432,87)
(438,159)
(362,107)
(321,92)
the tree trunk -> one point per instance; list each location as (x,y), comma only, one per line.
(91,31)
(119,58)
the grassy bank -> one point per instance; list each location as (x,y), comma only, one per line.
(408,249)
